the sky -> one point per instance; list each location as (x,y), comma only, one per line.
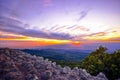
(38,23)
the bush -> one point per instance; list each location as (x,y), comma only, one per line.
(102,61)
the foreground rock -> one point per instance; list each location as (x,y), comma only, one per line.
(17,65)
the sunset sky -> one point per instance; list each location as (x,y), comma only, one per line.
(35,23)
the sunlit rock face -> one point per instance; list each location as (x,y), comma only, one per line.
(17,65)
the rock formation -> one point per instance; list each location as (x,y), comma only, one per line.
(17,65)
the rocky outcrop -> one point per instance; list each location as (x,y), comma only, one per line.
(17,65)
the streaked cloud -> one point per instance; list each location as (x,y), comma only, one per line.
(59,21)
(105,36)
(98,34)
(75,32)
(17,27)
(82,15)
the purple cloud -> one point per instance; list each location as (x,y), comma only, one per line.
(17,27)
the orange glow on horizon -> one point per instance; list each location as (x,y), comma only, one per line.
(15,37)
(17,41)
(22,41)
(76,43)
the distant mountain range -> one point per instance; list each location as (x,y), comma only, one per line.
(60,54)
(90,47)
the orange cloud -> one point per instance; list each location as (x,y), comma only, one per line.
(109,37)
(25,38)
(99,34)
(0,33)
(24,44)
(20,41)
(80,28)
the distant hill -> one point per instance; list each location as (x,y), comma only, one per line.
(60,54)
(91,46)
